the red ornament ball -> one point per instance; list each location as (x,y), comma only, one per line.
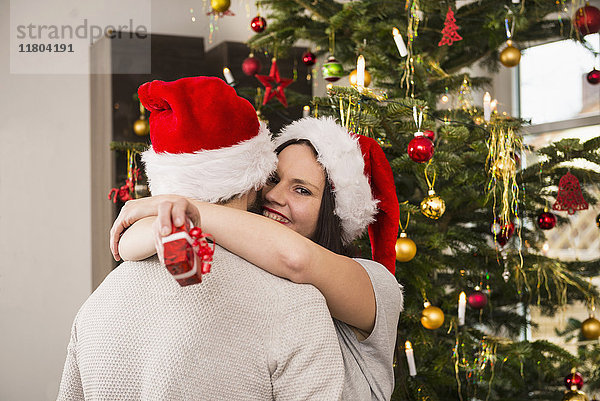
(251,66)
(420,149)
(309,58)
(574,379)
(546,220)
(477,300)
(587,20)
(502,234)
(429,134)
(593,77)
(258,24)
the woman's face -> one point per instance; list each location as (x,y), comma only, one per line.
(293,194)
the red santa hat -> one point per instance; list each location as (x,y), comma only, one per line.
(207,142)
(364,190)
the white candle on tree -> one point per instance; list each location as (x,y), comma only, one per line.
(360,72)
(462,306)
(410,357)
(399,42)
(228,76)
(487,106)
(306,111)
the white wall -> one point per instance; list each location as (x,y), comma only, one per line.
(45,212)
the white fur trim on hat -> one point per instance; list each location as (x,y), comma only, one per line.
(340,154)
(213,175)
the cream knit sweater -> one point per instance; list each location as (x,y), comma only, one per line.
(242,334)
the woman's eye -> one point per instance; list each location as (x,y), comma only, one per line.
(303,191)
(272,180)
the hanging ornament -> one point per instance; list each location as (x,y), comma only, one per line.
(269,82)
(502,233)
(590,328)
(309,58)
(504,165)
(450,30)
(220,7)
(332,70)
(477,299)
(352,78)
(575,395)
(433,206)
(587,20)
(569,196)
(574,379)
(258,24)
(432,317)
(128,190)
(429,134)
(141,126)
(510,56)
(546,220)
(406,249)
(593,77)
(420,148)
(502,145)
(251,66)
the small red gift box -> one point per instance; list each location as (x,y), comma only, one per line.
(179,257)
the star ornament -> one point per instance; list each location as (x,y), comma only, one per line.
(274,84)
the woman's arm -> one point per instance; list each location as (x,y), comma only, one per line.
(275,248)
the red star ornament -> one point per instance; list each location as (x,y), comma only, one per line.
(274,84)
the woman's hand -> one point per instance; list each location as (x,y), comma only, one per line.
(167,207)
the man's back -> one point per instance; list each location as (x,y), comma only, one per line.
(242,334)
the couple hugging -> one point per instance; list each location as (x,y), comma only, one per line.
(284,314)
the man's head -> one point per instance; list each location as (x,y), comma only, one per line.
(207,142)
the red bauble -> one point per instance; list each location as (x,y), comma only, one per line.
(546,220)
(420,149)
(574,379)
(429,134)
(251,66)
(501,233)
(587,20)
(258,24)
(593,77)
(477,300)
(309,58)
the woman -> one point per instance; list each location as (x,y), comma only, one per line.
(322,200)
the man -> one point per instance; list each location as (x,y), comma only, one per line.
(241,334)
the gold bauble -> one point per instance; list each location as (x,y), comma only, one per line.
(141,127)
(504,165)
(510,56)
(432,317)
(590,328)
(406,249)
(352,78)
(575,395)
(220,6)
(433,206)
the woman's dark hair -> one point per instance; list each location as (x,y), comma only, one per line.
(328,233)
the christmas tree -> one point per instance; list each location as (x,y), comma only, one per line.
(475,212)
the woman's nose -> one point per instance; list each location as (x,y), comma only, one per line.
(275,194)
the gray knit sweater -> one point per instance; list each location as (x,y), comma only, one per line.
(241,334)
